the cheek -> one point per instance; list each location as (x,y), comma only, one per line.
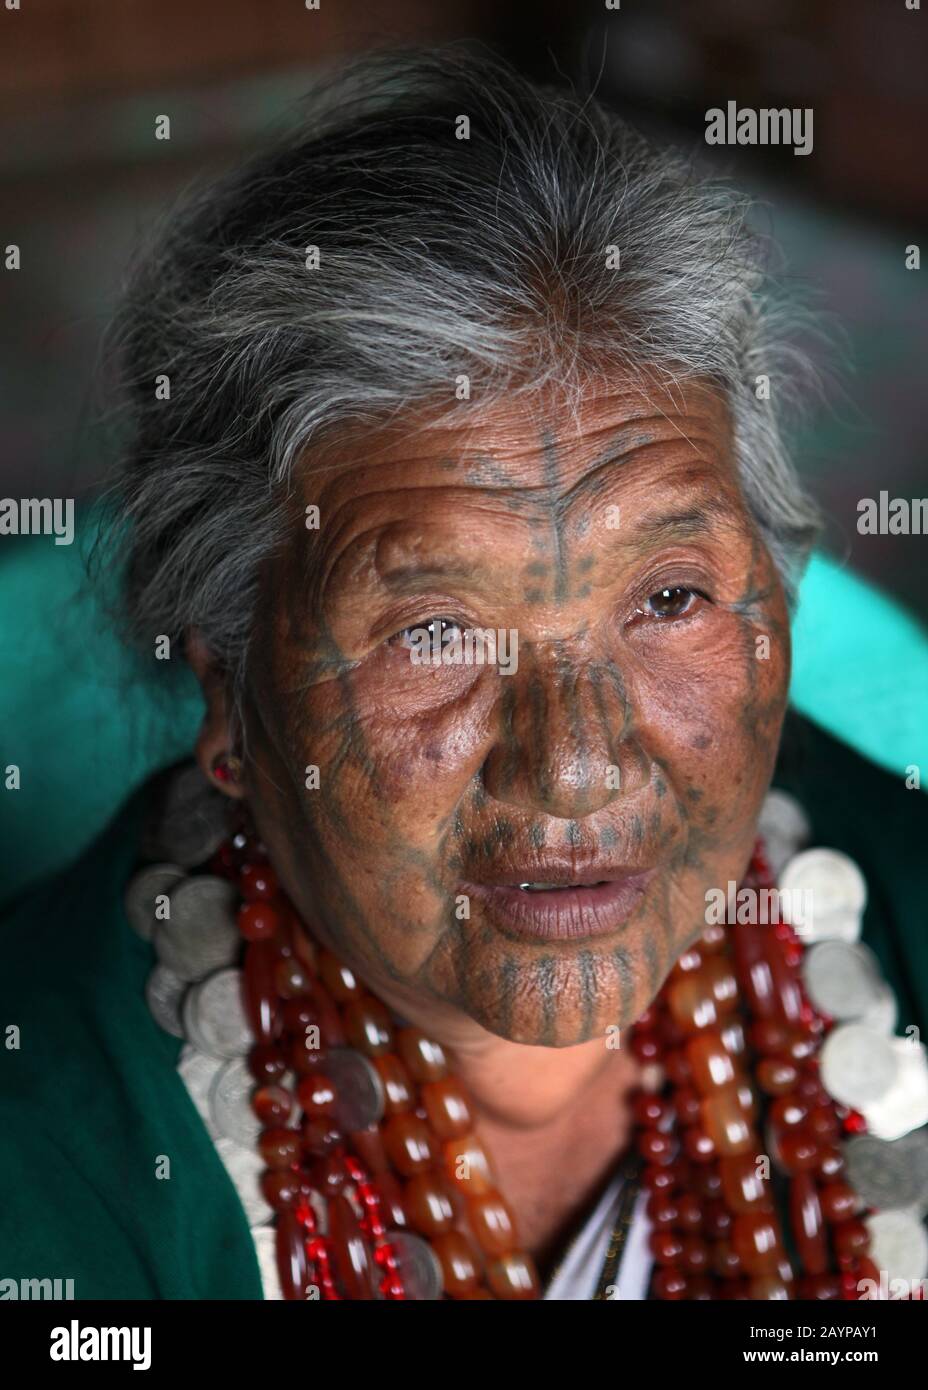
(422,755)
(709,711)
(357,854)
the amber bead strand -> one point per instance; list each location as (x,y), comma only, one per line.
(716,1233)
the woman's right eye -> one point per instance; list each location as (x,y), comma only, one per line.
(430,636)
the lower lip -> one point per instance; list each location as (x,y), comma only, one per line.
(562,914)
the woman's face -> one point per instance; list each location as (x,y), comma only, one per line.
(631,744)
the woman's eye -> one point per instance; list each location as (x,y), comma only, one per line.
(670,603)
(429,637)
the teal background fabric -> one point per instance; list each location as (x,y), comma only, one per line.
(860,667)
(86,721)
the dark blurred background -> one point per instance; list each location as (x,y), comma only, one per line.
(82,81)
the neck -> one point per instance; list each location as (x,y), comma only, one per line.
(532,1089)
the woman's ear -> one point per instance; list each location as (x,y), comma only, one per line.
(217,742)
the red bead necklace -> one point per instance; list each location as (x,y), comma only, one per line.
(392,1196)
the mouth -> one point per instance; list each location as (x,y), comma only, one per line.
(562,906)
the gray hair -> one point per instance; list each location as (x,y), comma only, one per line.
(439,257)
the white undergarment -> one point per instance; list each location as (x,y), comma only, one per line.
(579,1271)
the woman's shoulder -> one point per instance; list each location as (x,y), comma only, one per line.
(108,1169)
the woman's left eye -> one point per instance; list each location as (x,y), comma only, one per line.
(673,602)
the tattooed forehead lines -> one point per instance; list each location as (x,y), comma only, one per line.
(402,554)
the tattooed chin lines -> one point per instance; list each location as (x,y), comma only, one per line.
(556,993)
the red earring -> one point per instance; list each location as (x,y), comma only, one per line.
(226,767)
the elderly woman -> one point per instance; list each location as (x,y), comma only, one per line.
(456,478)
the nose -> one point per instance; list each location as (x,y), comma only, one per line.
(565,745)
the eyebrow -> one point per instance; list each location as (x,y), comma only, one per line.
(680,525)
(401,577)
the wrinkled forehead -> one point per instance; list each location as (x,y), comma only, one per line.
(525,454)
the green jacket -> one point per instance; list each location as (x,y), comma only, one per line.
(91,1103)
